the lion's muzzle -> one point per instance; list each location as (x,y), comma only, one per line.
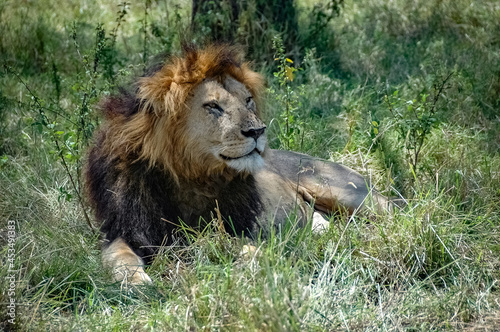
(254,133)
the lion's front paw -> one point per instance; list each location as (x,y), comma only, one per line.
(124,263)
(133,275)
(248,250)
(140,277)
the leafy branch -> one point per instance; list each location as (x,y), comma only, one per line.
(54,135)
(414,119)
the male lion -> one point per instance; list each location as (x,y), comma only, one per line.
(190,137)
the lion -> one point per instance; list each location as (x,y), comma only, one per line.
(189,138)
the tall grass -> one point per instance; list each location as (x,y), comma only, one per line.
(432,265)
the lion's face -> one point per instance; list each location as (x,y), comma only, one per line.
(223,125)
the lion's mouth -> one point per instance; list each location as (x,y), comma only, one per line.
(243,156)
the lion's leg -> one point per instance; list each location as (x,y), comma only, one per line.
(331,186)
(328,198)
(125,264)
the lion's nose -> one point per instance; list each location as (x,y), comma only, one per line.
(254,133)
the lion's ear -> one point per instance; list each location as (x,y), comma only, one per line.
(123,104)
(155,90)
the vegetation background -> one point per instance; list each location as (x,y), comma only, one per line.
(405,91)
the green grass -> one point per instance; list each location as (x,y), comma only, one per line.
(433,265)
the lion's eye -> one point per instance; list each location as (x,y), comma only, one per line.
(213,108)
(250,103)
(210,105)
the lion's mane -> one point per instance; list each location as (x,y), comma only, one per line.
(139,163)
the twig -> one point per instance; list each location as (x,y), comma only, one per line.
(56,142)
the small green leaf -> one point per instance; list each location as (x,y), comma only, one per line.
(38,127)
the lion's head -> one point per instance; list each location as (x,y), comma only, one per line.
(196,116)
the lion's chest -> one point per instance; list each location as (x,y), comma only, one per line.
(238,201)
